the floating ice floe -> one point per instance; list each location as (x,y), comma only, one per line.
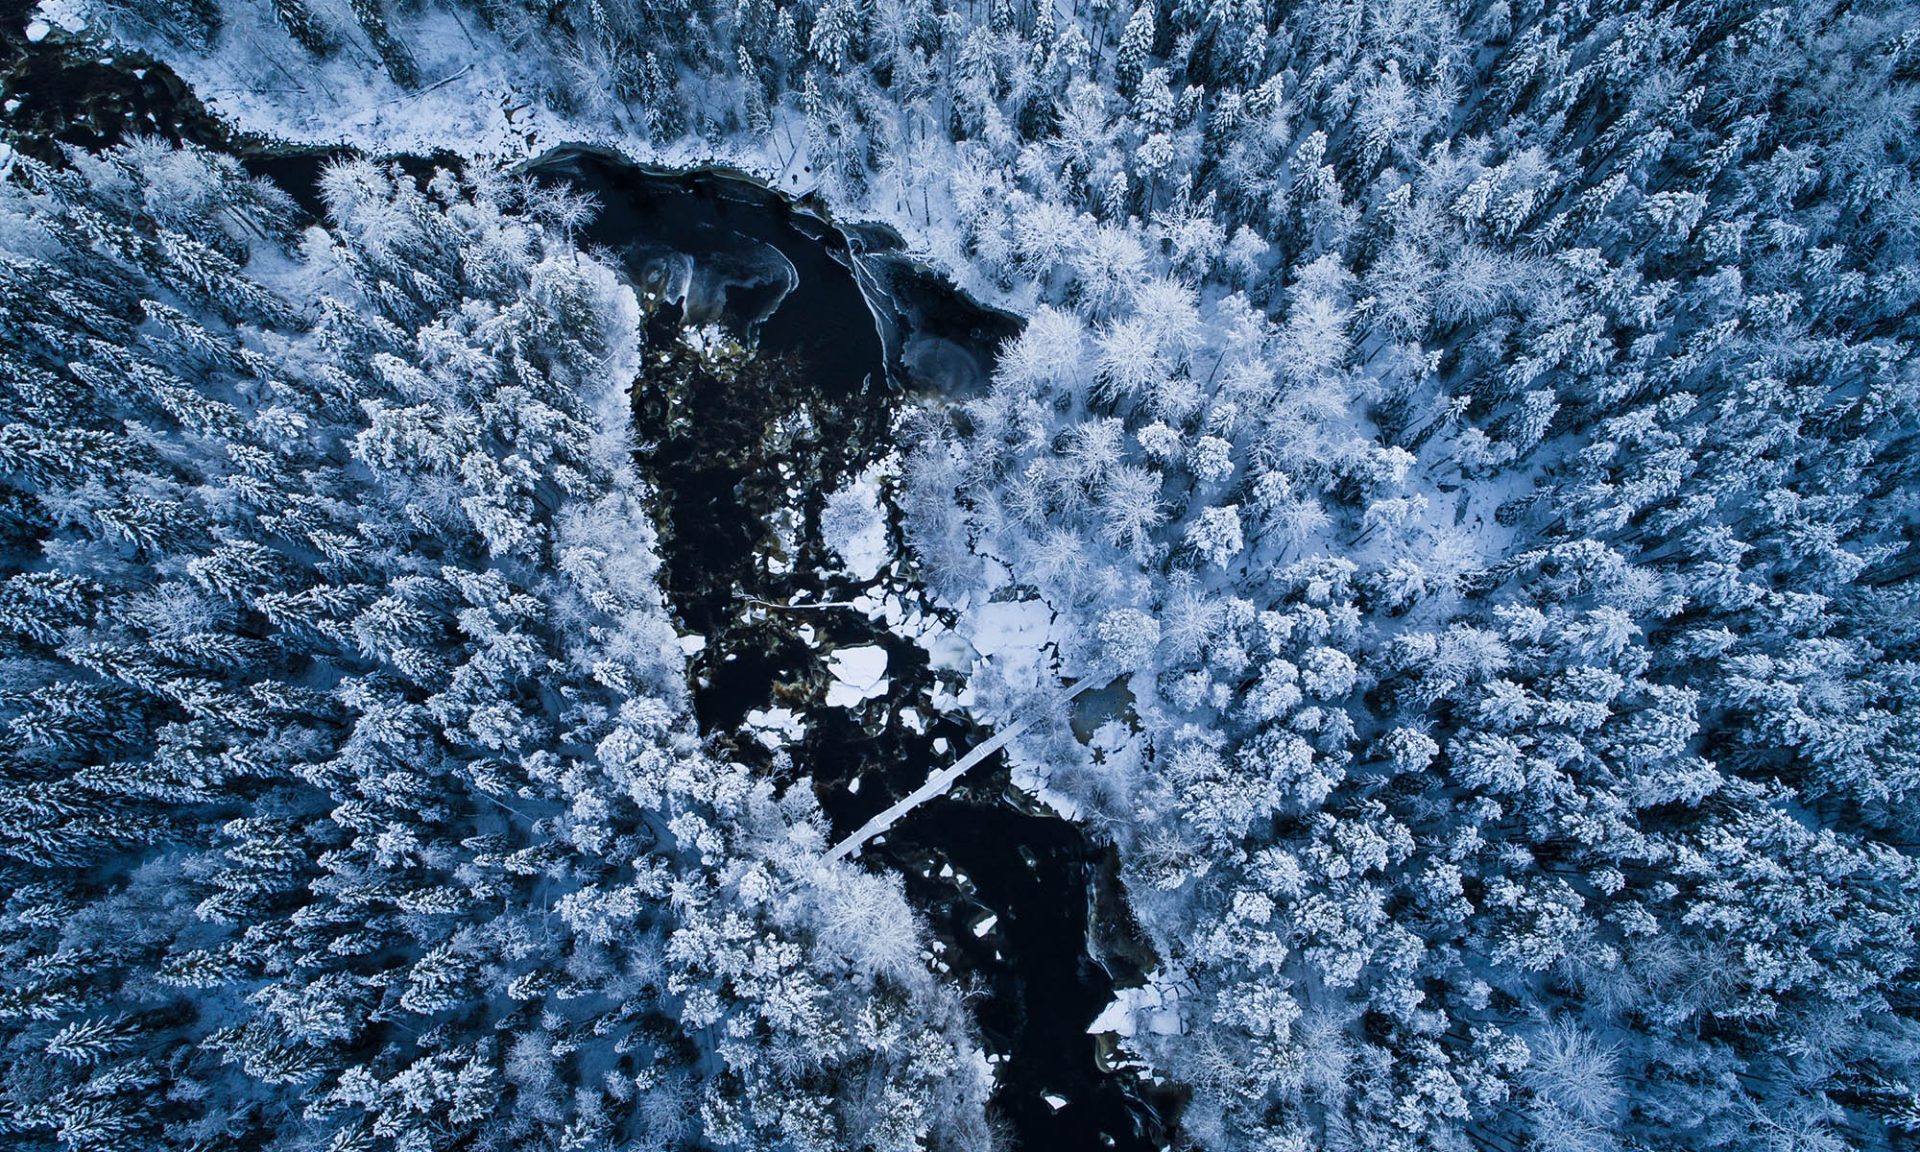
(945,701)
(776,726)
(858,674)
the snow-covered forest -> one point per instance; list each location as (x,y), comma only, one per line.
(350,789)
(1467,447)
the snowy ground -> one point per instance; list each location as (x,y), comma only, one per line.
(855,525)
(473,103)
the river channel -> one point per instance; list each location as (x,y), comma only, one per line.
(833,335)
(845,334)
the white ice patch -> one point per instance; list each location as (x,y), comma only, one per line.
(855,525)
(945,701)
(68,14)
(947,651)
(692,644)
(985,926)
(1154,1008)
(776,726)
(858,674)
(705,339)
(37,31)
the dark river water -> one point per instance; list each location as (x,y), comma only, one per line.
(846,333)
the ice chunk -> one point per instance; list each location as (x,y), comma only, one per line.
(776,726)
(948,652)
(1117,1017)
(859,673)
(1016,636)
(1156,1006)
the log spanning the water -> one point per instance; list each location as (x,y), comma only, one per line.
(940,781)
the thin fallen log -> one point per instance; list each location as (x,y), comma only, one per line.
(939,782)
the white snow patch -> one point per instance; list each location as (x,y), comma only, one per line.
(692,644)
(1013,635)
(945,701)
(1031,776)
(68,14)
(855,524)
(37,31)
(1009,628)
(997,575)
